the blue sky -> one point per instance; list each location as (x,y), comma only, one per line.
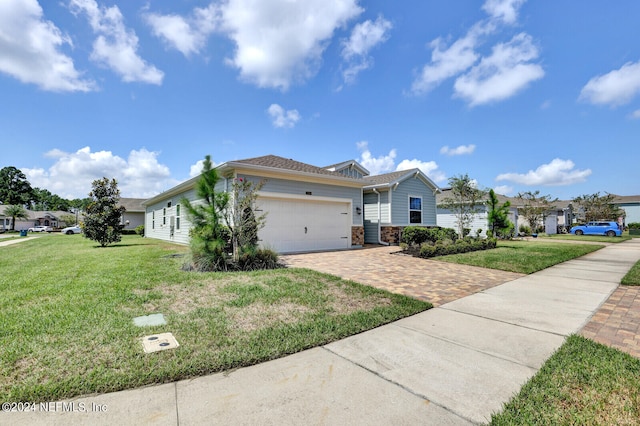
(519,95)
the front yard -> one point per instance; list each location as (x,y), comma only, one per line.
(67,309)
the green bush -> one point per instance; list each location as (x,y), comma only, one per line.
(442,248)
(634,225)
(524,230)
(253,260)
(416,235)
(140,230)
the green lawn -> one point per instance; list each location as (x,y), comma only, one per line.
(587,238)
(583,383)
(525,257)
(633,276)
(66,311)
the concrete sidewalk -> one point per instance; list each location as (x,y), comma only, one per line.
(455,364)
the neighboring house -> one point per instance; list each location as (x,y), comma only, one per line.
(631,206)
(448,219)
(134,213)
(308,207)
(34,218)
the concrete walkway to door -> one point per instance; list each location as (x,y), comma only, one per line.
(386,268)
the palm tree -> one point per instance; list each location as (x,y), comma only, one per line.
(15,212)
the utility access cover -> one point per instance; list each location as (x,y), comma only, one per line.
(153,319)
(159,342)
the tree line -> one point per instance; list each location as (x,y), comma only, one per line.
(16,190)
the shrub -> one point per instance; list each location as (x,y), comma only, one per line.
(460,246)
(253,260)
(634,225)
(524,230)
(416,235)
(140,230)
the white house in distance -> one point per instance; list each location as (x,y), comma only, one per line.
(310,208)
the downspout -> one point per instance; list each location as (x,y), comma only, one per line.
(384,243)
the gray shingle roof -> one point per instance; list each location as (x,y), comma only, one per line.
(386,178)
(276,162)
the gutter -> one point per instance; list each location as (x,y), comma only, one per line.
(384,243)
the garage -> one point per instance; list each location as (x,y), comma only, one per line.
(294,225)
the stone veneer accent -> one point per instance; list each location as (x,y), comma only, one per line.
(391,234)
(357,235)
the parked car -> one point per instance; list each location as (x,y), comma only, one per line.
(610,229)
(40,229)
(71,230)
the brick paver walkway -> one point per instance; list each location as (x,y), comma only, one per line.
(381,267)
(617,322)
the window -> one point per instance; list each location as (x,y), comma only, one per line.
(415,210)
(177,216)
(169,204)
(164,216)
(153,219)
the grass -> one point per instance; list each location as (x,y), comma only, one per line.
(633,276)
(583,383)
(525,257)
(587,238)
(66,310)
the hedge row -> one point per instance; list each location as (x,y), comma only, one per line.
(416,236)
(440,248)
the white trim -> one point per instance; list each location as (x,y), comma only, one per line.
(302,197)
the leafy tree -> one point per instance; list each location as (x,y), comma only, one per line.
(208,234)
(68,219)
(464,201)
(498,215)
(535,207)
(241,219)
(597,207)
(14,187)
(103,215)
(14,212)
(45,200)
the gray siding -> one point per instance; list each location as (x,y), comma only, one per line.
(371,218)
(400,203)
(158,217)
(286,186)
(632,211)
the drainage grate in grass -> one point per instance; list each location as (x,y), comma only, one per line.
(159,342)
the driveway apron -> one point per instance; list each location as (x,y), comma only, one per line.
(386,268)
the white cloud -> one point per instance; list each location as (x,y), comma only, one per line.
(557,173)
(448,62)
(115,46)
(635,114)
(280,42)
(186,34)
(196,169)
(387,163)
(503,189)
(503,74)
(139,176)
(281,118)
(376,166)
(364,37)
(30,49)
(615,88)
(504,10)
(459,150)
(429,168)
(499,76)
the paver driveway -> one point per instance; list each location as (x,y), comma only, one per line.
(384,267)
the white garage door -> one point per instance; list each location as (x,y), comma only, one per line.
(296,225)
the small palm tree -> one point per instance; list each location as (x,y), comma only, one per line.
(15,212)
